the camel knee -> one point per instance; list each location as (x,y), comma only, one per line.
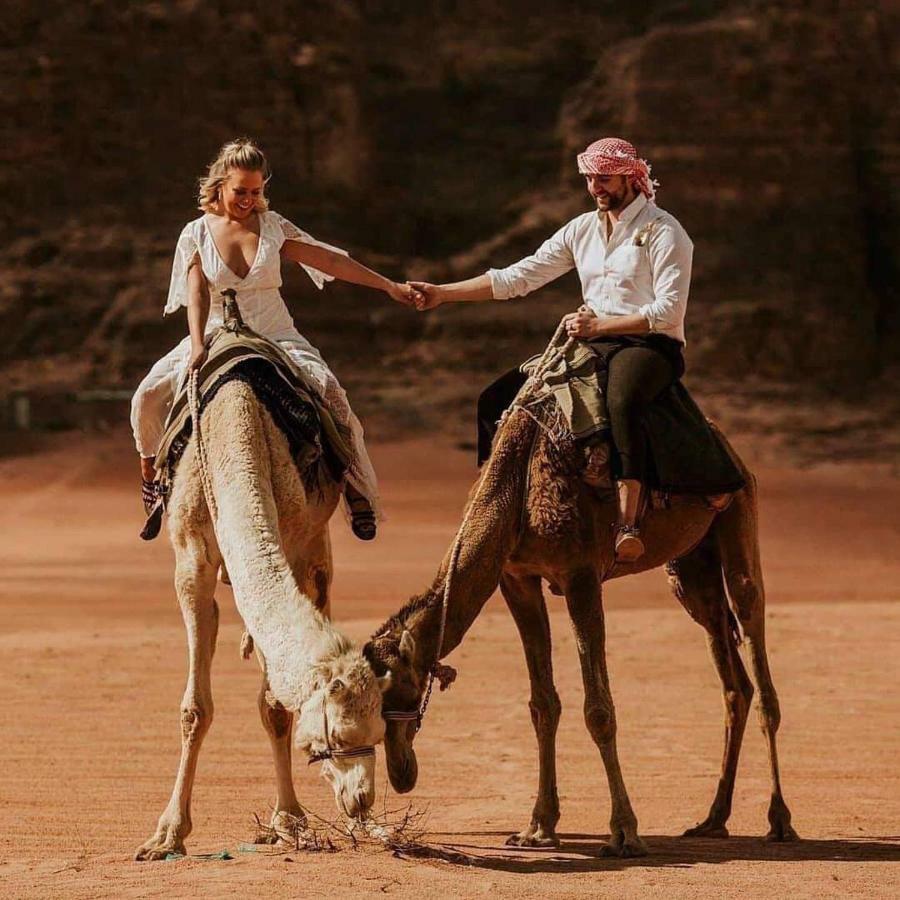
(600,719)
(769,711)
(545,711)
(737,704)
(196,719)
(747,597)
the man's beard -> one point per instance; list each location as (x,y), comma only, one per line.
(611,202)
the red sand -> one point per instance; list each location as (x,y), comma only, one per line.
(92,656)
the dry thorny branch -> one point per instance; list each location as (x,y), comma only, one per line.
(393,829)
(399,830)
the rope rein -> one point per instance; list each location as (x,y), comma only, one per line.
(549,357)
(202,456)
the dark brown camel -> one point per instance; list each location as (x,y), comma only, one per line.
(531,516)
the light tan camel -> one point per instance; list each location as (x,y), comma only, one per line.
(531,516)
(272,536)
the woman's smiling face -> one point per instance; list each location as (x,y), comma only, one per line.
(240,193)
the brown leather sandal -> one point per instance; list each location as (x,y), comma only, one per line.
(629,546)
(152,498)
(149,495)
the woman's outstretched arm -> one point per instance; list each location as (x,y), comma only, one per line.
(346,268)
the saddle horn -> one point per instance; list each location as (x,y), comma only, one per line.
(232,313)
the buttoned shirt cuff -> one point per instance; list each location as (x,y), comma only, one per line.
(499,286)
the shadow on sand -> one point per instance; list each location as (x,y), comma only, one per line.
(582,852)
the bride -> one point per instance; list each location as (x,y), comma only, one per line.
(238,244)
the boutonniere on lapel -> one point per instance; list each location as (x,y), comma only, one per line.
(643,235)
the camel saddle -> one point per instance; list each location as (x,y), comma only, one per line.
(319,445)
(686,455)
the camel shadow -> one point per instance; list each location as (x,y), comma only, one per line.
(583,853)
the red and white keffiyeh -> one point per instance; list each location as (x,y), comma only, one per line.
(613,156)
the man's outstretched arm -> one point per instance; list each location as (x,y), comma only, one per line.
(470,290)
(552,259)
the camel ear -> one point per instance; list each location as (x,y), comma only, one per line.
(336,686)
(407,647)
(384,681)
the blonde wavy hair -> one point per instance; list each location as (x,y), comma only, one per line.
(238,154)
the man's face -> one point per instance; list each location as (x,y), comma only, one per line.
(610,192)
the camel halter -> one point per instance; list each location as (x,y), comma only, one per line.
(446,675)
(331,752)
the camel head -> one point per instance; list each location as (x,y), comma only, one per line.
(395,655)
(343,713)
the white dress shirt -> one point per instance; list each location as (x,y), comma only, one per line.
(643,268)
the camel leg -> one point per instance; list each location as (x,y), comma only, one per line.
(195,581)
(696,580)
(526,603)
(585,603)
(287,817)
(736,533)
(312,571)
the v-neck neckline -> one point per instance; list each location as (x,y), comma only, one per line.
(221,258)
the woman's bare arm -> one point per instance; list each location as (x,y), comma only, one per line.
(345,268)
(198,311)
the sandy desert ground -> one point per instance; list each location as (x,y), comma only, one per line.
(92,661)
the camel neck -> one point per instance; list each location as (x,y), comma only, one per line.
(290,632)
(425,625)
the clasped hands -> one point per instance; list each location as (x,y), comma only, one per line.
(418,294)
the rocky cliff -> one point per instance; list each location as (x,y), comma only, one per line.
(438,138)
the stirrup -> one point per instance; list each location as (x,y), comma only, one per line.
(629,546)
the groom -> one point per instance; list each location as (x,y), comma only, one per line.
(634,262)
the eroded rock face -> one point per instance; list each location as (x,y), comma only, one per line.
(441,140)
(776,136)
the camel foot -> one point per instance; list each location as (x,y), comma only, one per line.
(166,840)
(285,828)
(782,833)
(780,830)
(624,847)
(534,836)
(707,829)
